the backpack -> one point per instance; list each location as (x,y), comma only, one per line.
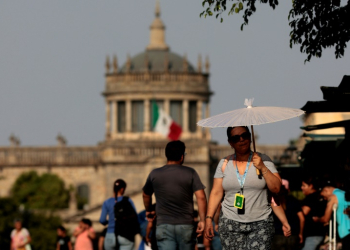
(126,220)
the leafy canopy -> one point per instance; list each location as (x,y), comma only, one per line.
(40,192)
(315,25)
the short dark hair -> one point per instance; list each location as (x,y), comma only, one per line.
(62,228)
(118,184)
(174,150)
(310,180)
(86,221)
(229,129)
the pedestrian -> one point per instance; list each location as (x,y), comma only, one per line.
(20,237)
(174,186)
(246,219)
(115,237)
(336,196)
(63,240)
(84,234)
(313,206)
(296,220)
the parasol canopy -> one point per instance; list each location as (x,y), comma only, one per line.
(250,116)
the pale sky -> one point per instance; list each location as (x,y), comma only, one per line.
(53,54)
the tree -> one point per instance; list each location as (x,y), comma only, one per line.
(315,25)
(40,192)
(42,228)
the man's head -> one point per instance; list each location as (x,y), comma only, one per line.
(175,151)
(327,189)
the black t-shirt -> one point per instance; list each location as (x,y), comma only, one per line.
(317,208)
(292,209)
(173,186)
(63,242)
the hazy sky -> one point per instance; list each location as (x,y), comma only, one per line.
(52,56)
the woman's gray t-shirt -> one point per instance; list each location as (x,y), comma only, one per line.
(257,205)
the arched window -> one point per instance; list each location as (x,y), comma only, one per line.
(83,195)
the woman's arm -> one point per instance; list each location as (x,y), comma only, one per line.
(302,223)
(273,180)
(57,246)
(216,217)
(104,212)
(215,197)
(281,215)
(329,209)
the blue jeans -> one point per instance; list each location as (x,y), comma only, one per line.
(311,242)
(124,244)
(172,237)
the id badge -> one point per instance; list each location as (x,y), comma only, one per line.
(239,200)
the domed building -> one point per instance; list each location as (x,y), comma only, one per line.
(156,77)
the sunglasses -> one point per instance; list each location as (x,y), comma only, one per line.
(236,138)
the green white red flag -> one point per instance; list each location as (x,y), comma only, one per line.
(164,124)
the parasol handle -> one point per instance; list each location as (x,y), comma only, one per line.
(253,138)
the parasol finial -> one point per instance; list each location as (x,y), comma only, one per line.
(249,102)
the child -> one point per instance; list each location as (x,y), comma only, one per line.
(63,241)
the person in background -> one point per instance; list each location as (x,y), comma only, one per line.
(84,234)
(63,240)
(20,237)
(101,239)
(313,205)
(336,196)
(111,243)
(295,217)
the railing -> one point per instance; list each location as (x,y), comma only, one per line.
(49,156)
(196,77)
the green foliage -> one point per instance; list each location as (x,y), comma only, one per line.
(315,25)
(40,192)
(42,229)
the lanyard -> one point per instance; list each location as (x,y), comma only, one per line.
(241,181)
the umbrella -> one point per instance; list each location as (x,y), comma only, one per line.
(250,116)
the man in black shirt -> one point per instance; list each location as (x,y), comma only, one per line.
(173,186)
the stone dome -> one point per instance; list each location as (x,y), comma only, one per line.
(157,61)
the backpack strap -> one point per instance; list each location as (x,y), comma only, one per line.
(225,163)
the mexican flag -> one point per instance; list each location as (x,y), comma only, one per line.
(164,124)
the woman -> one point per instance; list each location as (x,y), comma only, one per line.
(111,242)
(20,237)
(251,225)
(312,205)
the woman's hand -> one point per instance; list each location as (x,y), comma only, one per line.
(209,231)
(287,231)
(257,161)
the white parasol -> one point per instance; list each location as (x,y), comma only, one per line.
(250,116)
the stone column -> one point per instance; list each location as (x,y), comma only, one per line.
(114,117)
(128,115)
(147,115)
(167,106)
(199,114)
(185,115)
(108,120)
